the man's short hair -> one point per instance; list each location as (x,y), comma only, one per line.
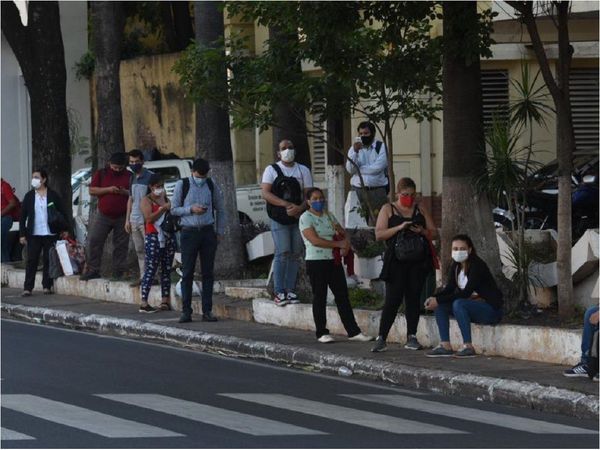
(201,166)
(368,125)
(119,159)
(135,153)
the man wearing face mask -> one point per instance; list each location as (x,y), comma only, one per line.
(284,186)
(199,203)
(111,186)
(371,158)
(134,222)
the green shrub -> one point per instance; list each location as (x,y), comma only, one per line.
(365,299)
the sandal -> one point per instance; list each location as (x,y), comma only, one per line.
(165,307)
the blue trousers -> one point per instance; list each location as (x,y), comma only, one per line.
(288,252)
(7,222)
(154,255)
(588,332)
(465,311)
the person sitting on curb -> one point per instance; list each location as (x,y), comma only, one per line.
(590,326)
(159,245)
(318,228)
(471,295)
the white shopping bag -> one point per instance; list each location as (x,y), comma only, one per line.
(63,256)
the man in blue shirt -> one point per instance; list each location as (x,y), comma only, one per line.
(201,211)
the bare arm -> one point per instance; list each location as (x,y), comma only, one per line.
(272,198)
(149,216)
(382,232)
(314,239)
(97,191)
(431,230)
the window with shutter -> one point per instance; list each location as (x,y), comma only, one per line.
(583,86)
(494,95)
(319,146)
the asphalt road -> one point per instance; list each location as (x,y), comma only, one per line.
(66,389)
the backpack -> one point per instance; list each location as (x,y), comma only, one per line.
(288,189)
(378,145)
(410,246)
(172,223)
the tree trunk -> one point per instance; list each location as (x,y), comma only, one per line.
(213,142)
(107,34)
(289,120)
(40,53)
(182,22)
(463,210)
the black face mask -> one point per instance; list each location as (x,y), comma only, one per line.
(366,140)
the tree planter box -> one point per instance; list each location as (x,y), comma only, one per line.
(261,245)
(369,268)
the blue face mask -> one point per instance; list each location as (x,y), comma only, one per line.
(136,167)
(318,206)
(200,181)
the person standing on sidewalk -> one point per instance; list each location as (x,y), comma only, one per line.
(471,295)
(134,221)
(371,158)
(284,185)
(43,218)
(111,186)
(159,245)
(10,213)
(198,200)
(318,229)
(590,326)
(399,223)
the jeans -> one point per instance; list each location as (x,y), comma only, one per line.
(201,241)
(465,311)
(155,256)
(99,231)
(288,252)
(35,246)
(7,222)
(322,274)
(588,332)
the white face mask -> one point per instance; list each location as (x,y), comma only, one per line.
(36,183)
(158,191)
(288,155)
(460,255)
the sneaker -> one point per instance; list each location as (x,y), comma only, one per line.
(326,339)
(465,352)
(89,276)
(292,298)
(379,346)
(578,370)
(280,299)
(26,294)
(412,343)
(439,352)
(147,309)
(48,292)
(208,317)
(360,337)
(185,318)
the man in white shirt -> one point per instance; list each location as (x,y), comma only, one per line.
(371,158)
(284,186)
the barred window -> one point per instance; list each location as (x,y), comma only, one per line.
(583,85)
(494,95)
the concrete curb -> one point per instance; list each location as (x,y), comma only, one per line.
(496,390)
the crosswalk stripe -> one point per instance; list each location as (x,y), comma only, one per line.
(340,413)
(81,418)
(11,435)
(224,418)
(471,414)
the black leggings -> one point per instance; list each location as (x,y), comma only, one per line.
(406,285)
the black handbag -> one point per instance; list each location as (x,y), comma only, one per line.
(56,221)
(409,247)
(54,268)
(170,223)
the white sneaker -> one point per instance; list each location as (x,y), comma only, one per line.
(292,298)
(360,337)
(326,339)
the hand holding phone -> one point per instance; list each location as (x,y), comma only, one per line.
(357,143)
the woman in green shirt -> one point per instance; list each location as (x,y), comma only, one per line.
(318,228)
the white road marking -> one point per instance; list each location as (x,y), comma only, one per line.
(472,414)
(224,418)
(11,435)
(81,418)
(343,414)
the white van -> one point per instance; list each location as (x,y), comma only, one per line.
(249,199)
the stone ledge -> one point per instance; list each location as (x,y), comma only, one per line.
(519,393)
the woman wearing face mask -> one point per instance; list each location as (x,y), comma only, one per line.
(159,245)
(404,280)
(36,232)
(318,228)
(471,295)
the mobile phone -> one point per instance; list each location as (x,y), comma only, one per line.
(358,140)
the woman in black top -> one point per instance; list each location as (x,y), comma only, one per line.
(37,231)
(403,280)
(471,295)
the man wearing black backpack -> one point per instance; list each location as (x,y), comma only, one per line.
(198,201)
(371,158)
(284,185)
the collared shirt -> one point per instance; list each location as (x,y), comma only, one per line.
(137,191)
(199,195)
(372,166)
(40,222)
